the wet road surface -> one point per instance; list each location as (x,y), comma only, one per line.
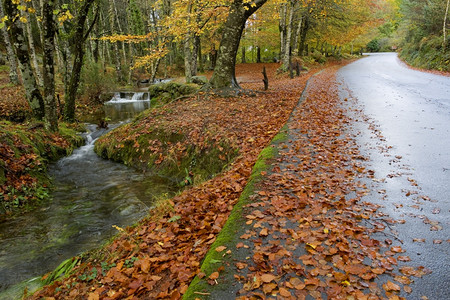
(402,125)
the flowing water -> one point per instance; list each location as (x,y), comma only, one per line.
(90,196)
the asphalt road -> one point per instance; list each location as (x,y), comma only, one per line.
(402,125)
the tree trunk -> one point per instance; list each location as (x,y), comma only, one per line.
(303,34)
(195,46)
(49,31)
(243,55)
(201,67)
(116,54)
(445,27)
(287,47)
(224,73)
(77,42)
(187,47)
(297,35)
(13,71)
(282,28)
(32,49)
(17,37)
(258,54)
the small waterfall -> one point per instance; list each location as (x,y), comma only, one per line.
(129,97)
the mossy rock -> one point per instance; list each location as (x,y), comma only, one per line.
(166,153)
(165,92)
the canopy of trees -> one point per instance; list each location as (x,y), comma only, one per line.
(161,37)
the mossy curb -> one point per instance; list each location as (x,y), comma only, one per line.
(229,233)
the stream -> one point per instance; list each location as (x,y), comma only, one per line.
(90,195)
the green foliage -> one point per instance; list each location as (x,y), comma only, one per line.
(61,271)
(427,54)
(89,275)
(96,81)
(129,263)
(318,57)
(422,27)
(373,46)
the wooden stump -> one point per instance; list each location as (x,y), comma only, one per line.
(266,79)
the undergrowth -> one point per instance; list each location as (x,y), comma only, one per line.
(25,152)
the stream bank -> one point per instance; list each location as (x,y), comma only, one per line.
(89,196)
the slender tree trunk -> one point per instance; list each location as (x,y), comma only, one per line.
(13,71)
(287,47)
(444,43)
(32,51)
(243,55)
(51,112)
(224,73)
(187,46)
(201,66)
(258,54)
(78,43)
(116,54)
(17,37)
(303,34)
(282,28)
(297,35)
(195,46)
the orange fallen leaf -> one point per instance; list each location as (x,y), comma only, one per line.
(214,276)
(267,278)
(390,286)
(220,248)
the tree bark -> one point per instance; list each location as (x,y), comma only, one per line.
(77,42)
(303,34)
(37,70)
(49,31)
(287,47)
(116,54)
(258,54)
(445,26)
(282,28)
(13,71)
(195,48)
(187,46)
(224,72)
(296,36)
(17,37)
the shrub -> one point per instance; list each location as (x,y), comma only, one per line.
(96,81)
(373,46)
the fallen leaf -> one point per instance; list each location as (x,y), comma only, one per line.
(267,278)
(220,248)
(214,276)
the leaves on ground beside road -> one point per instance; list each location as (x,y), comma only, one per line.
(317,232)
(174,250)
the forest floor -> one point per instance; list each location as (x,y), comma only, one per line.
(160,256)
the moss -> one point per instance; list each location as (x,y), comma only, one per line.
(25,152)
(165,92)
(235,222)
(173,155)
